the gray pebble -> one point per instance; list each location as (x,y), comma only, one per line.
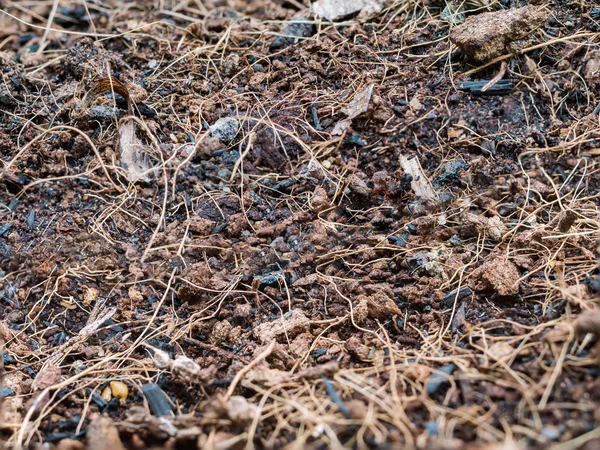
(298,28)
(225,129)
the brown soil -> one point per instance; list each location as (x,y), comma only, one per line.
(364,256)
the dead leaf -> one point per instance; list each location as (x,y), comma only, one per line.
(133,154)
(358,105)
(113,85)
(419,184)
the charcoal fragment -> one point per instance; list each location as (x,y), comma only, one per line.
(502,87)
(157,400)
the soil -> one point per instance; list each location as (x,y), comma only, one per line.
(361,255)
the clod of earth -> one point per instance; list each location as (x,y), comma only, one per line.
(498,275)
(103,435)
(488,35)
(290,326)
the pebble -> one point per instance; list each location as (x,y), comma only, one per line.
(551,433)
(437,379)
(290,35)
(225,129)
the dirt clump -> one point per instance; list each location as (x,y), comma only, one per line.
(498,275)
(289,326)
(488,35)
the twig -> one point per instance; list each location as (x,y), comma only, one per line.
(248,368)
(249,144)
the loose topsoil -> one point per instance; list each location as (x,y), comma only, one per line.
(375,250)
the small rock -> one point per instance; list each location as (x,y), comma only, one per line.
(237,409)
(338,9)
(356,348)
(400,240)
(427,263)
(592,68)
(488,35)
(437,379)
(432,429)
(225,129)
(269,279)
(137,93)
(298,28)
(451,170)
(358,186)
(48,376)
(452,14)
(357,409)
(454,296)
(106,394)
(551,433)
(157,400)
(105,113)
(323,370)
(381,307)
(491,227)
(224,174)
(242,312)
(240,411)
(200,225)
(6,392)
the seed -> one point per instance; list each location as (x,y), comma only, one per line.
(107,394)
(119,389)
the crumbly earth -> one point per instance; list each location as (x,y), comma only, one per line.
(489,35)
(361,256)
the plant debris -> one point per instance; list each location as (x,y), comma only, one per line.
(325,224)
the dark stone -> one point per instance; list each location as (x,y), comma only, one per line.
(436,380)
(298,28)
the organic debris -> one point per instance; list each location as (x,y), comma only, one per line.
(358,105)
(326,224)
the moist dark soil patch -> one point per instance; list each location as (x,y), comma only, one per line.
(387,244)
